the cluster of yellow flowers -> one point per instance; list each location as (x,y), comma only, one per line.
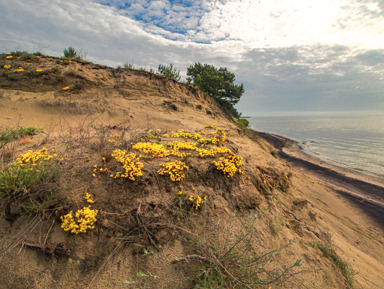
(177,145)
(20,69)
(96,169)
(153,149)
(206,141)
(89,198)
(7,66)
(154,132)
(204,132)
(197,201)
(187,135)
(219,131)
(206,152)
(34,158)
(174,170)
(65,88)
(85,219)
(113,138)
(39,70)
(230,166)
(180,194)
(213,151)
(8,57)
(132,165)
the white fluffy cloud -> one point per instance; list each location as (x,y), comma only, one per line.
(291,55)
(261,23)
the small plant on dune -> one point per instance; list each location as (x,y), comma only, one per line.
(84,219)
(331,254)
(27,171)
(131,165)
(169,71)
(71,53)
(10,133)
(242,122)
(89,198)
(29,182)
(20,69)
(197,201)
(230,166)
(152,149)
(11,77)
(220,260)
(174,170)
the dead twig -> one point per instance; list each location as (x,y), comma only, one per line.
(50,228)
(29,228)
(142,224)
(53,249)
(192,257)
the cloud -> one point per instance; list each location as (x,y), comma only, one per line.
(260,23)
(314,78)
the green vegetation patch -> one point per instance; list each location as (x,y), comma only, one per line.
(9,134)
(331,254)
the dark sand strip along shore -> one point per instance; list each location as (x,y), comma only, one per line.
(366,195)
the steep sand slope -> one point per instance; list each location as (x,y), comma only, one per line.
(291,203)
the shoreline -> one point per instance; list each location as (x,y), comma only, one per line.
(365,191)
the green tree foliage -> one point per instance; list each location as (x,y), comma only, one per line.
(70,52)
(218,83)
(169,71)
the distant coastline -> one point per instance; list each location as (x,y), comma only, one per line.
(365,191)
(351,142)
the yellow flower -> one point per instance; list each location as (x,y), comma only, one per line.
(9,57)
(65,88)
(39,70)
(85,219)
(132,165)
(174,170)
(197,201)
(89,198)
(7,66)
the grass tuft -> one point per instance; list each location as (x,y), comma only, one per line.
(331,254)
(9,134)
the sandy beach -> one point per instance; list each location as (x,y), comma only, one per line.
(365,191)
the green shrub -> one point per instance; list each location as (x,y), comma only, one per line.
(71,53)
(169,71)
(243,122)
(26,172)
(11,77)
(331,254)
(10,133)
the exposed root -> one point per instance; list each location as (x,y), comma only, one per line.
(53,249)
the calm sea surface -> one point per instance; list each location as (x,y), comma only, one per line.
(356,142)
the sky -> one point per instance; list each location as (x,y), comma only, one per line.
(293,56)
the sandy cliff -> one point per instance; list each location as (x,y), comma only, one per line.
(147,233)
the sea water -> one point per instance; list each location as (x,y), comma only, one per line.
(356,142)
